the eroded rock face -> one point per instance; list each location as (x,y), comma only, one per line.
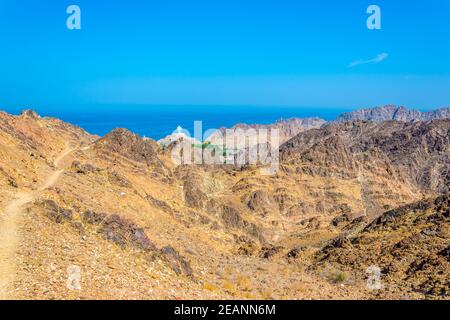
(84,168)
(129,145)
(287,128)
(409,244)
(310,223)
(310,201)
(10,180)
(119,230)
(159,204)
(126,233)
(55,212)
(118,179)
(193,193)
(268,252)
(341,220)
(439,205)
(123,232)
(177,263)
(302,209)
(95,218)
(392,112)
(259,201)
(414,152)
(231,217)
(246,246)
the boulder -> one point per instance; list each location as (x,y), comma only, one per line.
(177,262)
(55,212)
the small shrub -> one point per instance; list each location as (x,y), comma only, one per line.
(338,277)
(243,282)
(209,286)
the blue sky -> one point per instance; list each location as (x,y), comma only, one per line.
(225,52)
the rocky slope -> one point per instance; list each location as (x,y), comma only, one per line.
(416,154)
(392,112)
(136,226)
(410,246)
(287,128)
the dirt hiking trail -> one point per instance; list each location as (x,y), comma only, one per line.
(10,221)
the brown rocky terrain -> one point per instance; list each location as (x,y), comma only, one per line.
(134,226)
(416,154)
(410,245)
(288,128)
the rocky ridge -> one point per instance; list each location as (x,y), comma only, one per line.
(392,112)
(131,220)
(409,245)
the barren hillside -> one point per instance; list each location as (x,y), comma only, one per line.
(119,214)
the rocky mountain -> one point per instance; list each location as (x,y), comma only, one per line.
(116,217)
(414,153)
(288,128)
(392,112)
(177,136)
(409,246)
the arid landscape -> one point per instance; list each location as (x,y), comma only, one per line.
(359,209)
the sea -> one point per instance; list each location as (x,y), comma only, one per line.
(157,122)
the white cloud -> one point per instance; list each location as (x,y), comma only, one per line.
(377,59)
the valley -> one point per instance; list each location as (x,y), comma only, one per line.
(348,196)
